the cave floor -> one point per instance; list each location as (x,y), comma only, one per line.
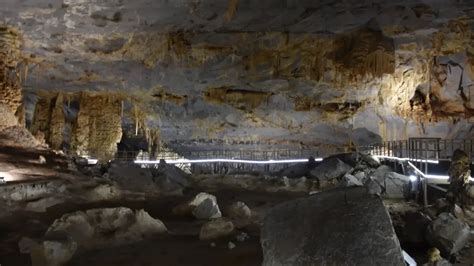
(180,247)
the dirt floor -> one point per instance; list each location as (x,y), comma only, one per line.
(181,247)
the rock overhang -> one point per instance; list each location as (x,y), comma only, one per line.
(279,67)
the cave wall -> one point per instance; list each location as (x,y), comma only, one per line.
(265,73)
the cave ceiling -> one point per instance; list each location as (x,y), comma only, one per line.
(301,71)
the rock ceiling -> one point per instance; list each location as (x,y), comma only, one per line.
(304,72)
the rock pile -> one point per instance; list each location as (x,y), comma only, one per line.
(90,229)
(448,234)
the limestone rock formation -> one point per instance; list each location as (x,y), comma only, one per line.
(316,77)
(207,209)
(202,206)
(341,226)
(98,126)
(10,55)
(110,226)
(215,229)
(49,119)
(129,176)
(239,211)
(448,234)
(349,180)
(329,171)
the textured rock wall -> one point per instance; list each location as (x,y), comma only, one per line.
(49,119)
(98,126)
(276,73)
(10,53)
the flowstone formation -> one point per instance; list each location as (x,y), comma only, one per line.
(10,55)
(98,126)
(49,120)
(302,75)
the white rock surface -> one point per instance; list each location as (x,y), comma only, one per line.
(208,209)
(103,192)
(108,226)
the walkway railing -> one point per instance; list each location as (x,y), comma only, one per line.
(423,148)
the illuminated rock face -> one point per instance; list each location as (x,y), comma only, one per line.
(295,73)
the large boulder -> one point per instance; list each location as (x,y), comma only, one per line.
(448,234)
(349,180)
(239,211)
(380,172)
(329,171)
(109,226)
(396,185)
(170,175)
(166,179)
(343,226)
(132,177)
(216,229)
(298,170)
(202,206)
(208,209)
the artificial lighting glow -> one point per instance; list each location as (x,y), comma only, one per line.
(413,178)
(225,161)
(92,161)
(406,159)
(7,176)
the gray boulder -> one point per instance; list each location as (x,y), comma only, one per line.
(379,173)
(166,179)
(171,174)
(298,170)
(349,180)
(395,185)
(343,226)
(370,160)
(372,187)
(448,234)
(208,209)
(329,170)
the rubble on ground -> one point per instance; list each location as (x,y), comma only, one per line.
(91,229)
(341,226)
(43,204)
(216,228)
